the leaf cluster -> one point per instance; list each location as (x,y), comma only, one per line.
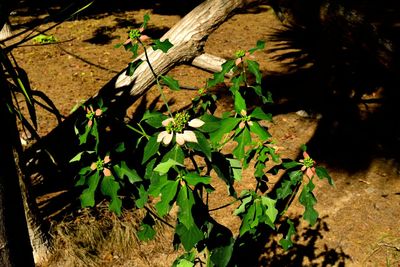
(176,155)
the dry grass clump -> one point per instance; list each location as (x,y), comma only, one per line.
(97,237)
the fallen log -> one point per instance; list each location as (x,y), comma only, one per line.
(210,63)
(188,37)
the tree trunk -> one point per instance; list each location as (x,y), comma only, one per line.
(15,248)
(37,228)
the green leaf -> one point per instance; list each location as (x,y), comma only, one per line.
(123,170)
(150,149)
(303,147)
(133,48)
(211,123)
(236,82)
(296,176)
(254,68)
(184,263)
(270,203)
(262,133)
(219,77)
(284,190)
(95,133)
(24,85)
(186,258)
(154,119)
(222,167)
(162,45)
(146,232)
(286,242)
(149,173)
(221,256)
(170,82)
(243,140)
(259,169)
(157,182)
(44,39)
(109,187)
(83,137)
(132,66)
(185,201)
(248,219)
(79,156)
(323,173)
(164,167)
(193,179)
(226,126)
(259,46)
(202,144)
(176,154)
(143,197)
(146,18)
(242,208)
(87,196)
(258,113)
(240,103)
(236,168)
(308,200)
(189,237)
(120,147)
(168,193)
(290,164)
(82,173)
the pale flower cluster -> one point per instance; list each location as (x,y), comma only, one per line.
(180,137)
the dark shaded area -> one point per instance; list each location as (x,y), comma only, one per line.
(266,250)
(15,248)
(344,62)
(304,249)
(101,8)
(49,167)
(105,34)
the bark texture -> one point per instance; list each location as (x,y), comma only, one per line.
(15,248)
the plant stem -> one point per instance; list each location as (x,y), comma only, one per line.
(164,99)
(158,217)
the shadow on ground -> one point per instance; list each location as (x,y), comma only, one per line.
(351,132)
(305,252)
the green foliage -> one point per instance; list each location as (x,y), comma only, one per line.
(176,153)
(44,39)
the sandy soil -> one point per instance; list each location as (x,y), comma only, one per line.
(360,215)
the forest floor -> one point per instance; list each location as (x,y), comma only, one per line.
(360,215)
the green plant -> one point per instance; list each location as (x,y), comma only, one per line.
(45,39)
(179,152)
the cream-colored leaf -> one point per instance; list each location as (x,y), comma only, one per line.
(166,122)
(168,138)
(190,136)
(161,136)
(196,123)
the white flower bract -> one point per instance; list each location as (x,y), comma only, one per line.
(181,138)
(196,123)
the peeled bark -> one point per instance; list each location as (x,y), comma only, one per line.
(188,37)
(37,228)
(210,63)
(5,31)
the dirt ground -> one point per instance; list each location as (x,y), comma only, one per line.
(359,223)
